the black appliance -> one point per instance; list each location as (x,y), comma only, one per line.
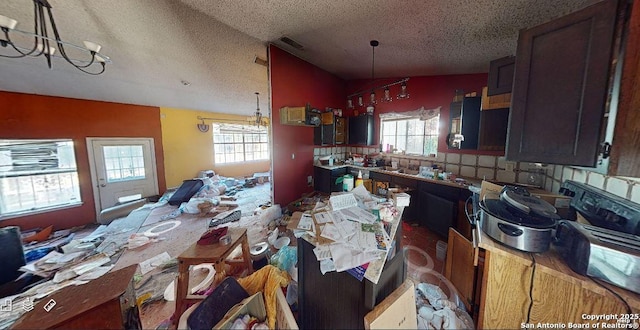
(608,248)
(601,253)
(601,208)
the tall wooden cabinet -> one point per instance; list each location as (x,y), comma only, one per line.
(560,87)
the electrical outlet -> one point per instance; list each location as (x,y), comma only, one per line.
(509,166)
(310,180)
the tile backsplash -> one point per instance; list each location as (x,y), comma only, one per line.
(497,168)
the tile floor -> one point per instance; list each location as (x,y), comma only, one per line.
(419,246)
(420,249)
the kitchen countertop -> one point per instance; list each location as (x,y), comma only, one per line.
(551,262)
(468,181)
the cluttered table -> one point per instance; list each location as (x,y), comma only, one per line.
(348,258)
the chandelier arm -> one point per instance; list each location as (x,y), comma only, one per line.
(61,45)
(89,72)
(46,49)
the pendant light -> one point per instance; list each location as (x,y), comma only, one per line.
(370,106)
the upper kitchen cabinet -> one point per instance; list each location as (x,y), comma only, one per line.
(300,116)
(561,88)
(625,153)
(464,123)
(361,130)
(500,75)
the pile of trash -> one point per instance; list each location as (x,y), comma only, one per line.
(437,309)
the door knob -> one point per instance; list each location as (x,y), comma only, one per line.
(103,185)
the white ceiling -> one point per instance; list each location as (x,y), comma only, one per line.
(156,44)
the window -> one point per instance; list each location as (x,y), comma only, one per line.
(124,163)
(239,143)
(412,135)
(37,175)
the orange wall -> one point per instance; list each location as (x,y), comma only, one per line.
(428,92)
(295,82)
(42,117)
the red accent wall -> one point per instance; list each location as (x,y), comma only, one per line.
(295,82)
(40,117)
(428,91)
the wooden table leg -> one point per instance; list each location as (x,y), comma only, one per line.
(246,253)
(181,290)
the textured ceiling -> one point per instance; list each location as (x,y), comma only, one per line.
(156,44)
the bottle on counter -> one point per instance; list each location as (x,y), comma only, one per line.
(359,180)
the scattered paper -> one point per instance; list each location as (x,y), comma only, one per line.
(327,266)
(361,193)
(358,214)
(322,252)
(331,232)
(342,201)
(150,264)
(344,257)
(95,273)
(99,232)
(322,217)
(306,222)
(91,263)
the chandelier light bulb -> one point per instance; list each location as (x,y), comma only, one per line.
(40,48)
(349,104)
(372,98)
(360,101)
(7,23)
(92,46)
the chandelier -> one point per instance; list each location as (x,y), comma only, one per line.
(257,118)
(372,91)
(45,44)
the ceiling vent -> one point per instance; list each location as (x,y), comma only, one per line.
(292,43)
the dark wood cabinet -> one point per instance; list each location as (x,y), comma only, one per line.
(465,121)
(560,88)
(338,300)
(324,134)
(625,153)
(438,206)
(361,130)
(500,77)
(325,179)
(341,130)
(493,129)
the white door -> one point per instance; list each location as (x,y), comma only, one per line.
(122,169)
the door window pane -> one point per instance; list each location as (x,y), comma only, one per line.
(123,163)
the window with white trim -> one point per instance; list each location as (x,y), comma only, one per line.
(235,143)
(412,135)
(37,175)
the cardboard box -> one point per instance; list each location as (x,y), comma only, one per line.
(492,190)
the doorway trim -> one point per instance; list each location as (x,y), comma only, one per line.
(92,164)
